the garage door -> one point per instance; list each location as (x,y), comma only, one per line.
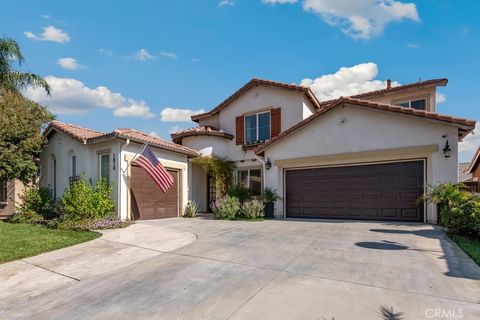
(387,191)
(148,201)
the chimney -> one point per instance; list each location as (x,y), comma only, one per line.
(389,84)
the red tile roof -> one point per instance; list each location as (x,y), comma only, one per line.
(437,82)
(76,132)
(200,131)
(465,126)
(255,82)
(89,136)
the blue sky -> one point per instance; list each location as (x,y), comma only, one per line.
(119,64)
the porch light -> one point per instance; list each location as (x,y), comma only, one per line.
(268,164)
(447,151)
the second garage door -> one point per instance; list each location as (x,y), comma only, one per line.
(148,201)
(386,191)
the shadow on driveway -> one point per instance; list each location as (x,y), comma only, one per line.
(458,263)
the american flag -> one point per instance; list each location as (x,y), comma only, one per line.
(149,162)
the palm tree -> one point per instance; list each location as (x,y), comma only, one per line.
(13,80)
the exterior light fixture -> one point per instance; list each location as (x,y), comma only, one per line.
(268,164)
(447,151)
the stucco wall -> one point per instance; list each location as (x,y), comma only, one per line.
(168,159)
(259,98)
(413,94)
(352,131)
(208,145)
(14,191)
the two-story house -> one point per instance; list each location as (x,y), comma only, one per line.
(368,156)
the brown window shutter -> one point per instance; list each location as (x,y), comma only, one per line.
(276,122)
(239,130)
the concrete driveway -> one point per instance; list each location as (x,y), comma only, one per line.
(274,270)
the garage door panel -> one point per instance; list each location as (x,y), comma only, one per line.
(387,191)
(148,201)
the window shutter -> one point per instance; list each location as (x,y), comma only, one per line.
(239,123)
(276,120)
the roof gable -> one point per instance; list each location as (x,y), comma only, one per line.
(465,126)
(307,92)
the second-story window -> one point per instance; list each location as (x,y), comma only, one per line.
(419,104)
(257,127)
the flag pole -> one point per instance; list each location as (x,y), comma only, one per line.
(133,159)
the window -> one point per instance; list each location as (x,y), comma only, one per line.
(419,104)
(257,127)
(252,179)
(3,190)
(104,166)
(74,166)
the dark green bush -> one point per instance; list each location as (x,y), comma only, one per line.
(459,210)
(26,216)
(39,200)
(82,202)
(240,192)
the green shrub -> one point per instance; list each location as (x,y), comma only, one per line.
(240,192)
(38,200)
(459,210)
(270,195)
(252,209)
(82,202)
(191,209)
(26,216)
(226,208)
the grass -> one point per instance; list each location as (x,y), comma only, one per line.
(470,246)
(19,241)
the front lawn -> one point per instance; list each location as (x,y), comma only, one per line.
(25,240)
(470,246)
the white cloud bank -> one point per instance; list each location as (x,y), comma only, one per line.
(469,145)
(49,33)
(69,63)
(178,115)
(359,19)
(71,96)
(143,55)
(347,81)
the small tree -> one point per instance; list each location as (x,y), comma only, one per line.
(220,168)
(21,139)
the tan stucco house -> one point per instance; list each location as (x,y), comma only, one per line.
(73,151)
(10,193)
(370,156)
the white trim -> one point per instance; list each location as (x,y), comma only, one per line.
(423,159)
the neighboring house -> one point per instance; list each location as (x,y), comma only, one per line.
(463,174)
(73,151)
(369,156)
(10,192)
(473,168)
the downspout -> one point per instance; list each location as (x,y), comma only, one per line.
(264,179)
(120,175)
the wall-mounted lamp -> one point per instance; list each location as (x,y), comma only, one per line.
(268,164)
(447,151)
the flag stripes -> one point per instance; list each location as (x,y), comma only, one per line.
(149,162)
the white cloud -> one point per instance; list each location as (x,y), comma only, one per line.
(440,98)
(46,16)
(174,129)
(167,54)
(278,1)
(224,3)
(134,109)
(71,96)
(106,52)
(469,145)
(359,19)
(143,55)
(69,63)
(155,134)
(49,33)
(178,115)
(346,81)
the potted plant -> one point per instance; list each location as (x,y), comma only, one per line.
(269,196)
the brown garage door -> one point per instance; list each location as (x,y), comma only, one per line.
(387,191)
(148,201)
